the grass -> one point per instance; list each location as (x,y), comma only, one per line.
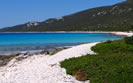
(112,64)
(118,46)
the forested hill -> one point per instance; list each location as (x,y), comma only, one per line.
(118,17)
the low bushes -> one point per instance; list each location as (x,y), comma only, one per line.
(129,40)
(118,46)
(112,64)
(101,69)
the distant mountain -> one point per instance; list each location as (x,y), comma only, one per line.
(118,17)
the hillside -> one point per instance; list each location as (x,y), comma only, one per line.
(118,17)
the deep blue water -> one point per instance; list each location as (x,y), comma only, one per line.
(12,42)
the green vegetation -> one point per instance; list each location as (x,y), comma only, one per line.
(112,64)
(114,47)
(102,69)
(129,40)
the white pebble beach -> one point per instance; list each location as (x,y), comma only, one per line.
(43,68)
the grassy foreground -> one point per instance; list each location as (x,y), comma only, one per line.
(112,64)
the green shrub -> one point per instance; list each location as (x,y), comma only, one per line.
(129,40)
(102,69)
(109,41)
(118,46)
(112,64)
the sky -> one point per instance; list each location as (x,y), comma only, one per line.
(14,12)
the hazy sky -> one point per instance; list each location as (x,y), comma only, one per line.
(13,12)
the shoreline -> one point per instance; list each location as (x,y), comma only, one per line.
(123,33)
(38,51)
(68,32)
(43,68)
(110,32)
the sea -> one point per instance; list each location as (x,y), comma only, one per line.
(19,42)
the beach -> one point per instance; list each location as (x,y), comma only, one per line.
(123,33)
(44,68)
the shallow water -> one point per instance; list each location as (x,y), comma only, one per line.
(16,42)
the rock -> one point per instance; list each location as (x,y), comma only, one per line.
(4,60)
(17,54)
(81,75)
(46,52)
(31,54)
(21,57)
(53,65)
(1,61)
(27,53)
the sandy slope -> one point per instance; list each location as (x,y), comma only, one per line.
(42,68)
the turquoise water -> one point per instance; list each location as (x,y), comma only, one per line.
(13,42)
